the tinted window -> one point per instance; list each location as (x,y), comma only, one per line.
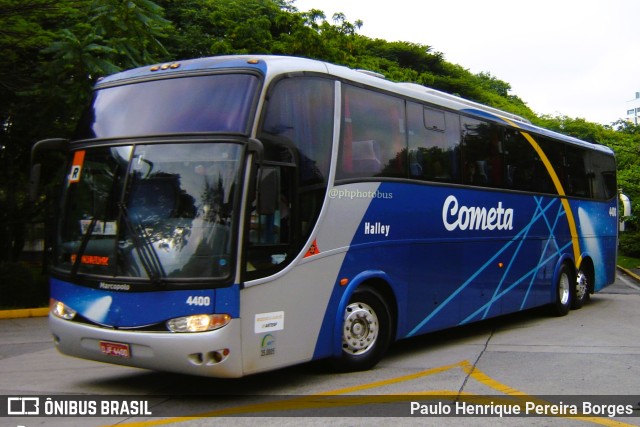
(602,175)
(524,169)
(555,153)
(297,134)
(300,114)
(216,103)
(577,182)
(373,140)
(434,119)
(434,139)
(483,153)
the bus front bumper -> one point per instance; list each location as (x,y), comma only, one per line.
(215,353)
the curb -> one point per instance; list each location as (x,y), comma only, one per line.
(630,273)
(24,312)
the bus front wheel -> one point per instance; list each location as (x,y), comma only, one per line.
(366,331)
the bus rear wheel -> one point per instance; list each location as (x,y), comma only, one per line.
(366,331)
(582,288)
(564,289)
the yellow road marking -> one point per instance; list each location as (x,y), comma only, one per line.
(339,397)
(396,380)
(481,377)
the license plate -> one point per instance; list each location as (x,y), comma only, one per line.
(115,349)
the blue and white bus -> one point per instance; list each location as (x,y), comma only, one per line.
(231,215)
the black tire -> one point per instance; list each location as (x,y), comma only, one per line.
(366,331)
(564,291)
(582,288)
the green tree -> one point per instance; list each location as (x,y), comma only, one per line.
(25,28)
(626,127)
(55,52)
(217,27)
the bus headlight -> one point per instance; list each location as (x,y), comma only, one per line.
(198,323)
(61,310)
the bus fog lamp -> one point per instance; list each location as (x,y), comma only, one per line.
(198,323)
(61,310)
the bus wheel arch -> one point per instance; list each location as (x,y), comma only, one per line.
(585,283)
(367,322)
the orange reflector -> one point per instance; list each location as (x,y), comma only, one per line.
(313,250)
(344,281)
(253,61)
(155,68)
(500,265)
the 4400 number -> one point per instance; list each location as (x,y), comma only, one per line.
(200,301)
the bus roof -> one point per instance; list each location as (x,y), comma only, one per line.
(273,65)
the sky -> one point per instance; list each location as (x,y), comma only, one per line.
(575,58)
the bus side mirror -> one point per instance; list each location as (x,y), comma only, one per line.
(39,148)
(268,190)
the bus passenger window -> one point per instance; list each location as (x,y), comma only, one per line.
(434,139)
(484,154)
(524,169)
(602,175)
(555,153)
(520,169)
(366,157)
(373,140)
(299,115)
(297,135)
(426,142)
(577,181)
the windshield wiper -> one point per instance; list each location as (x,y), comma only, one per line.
(83,247)
(144,247)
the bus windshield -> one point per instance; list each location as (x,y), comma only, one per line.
(213,103)
(150,211)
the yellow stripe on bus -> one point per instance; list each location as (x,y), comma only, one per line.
(577,253)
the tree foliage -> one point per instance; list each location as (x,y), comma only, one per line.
(624,138)
(55,50)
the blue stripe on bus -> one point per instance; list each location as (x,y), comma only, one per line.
(445,278)
(520,237)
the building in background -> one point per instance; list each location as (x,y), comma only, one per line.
(633,109)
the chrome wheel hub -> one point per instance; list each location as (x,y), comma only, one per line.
(564,289)
(582,285)
(360,329)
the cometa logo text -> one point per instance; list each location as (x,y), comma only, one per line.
(464,217)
